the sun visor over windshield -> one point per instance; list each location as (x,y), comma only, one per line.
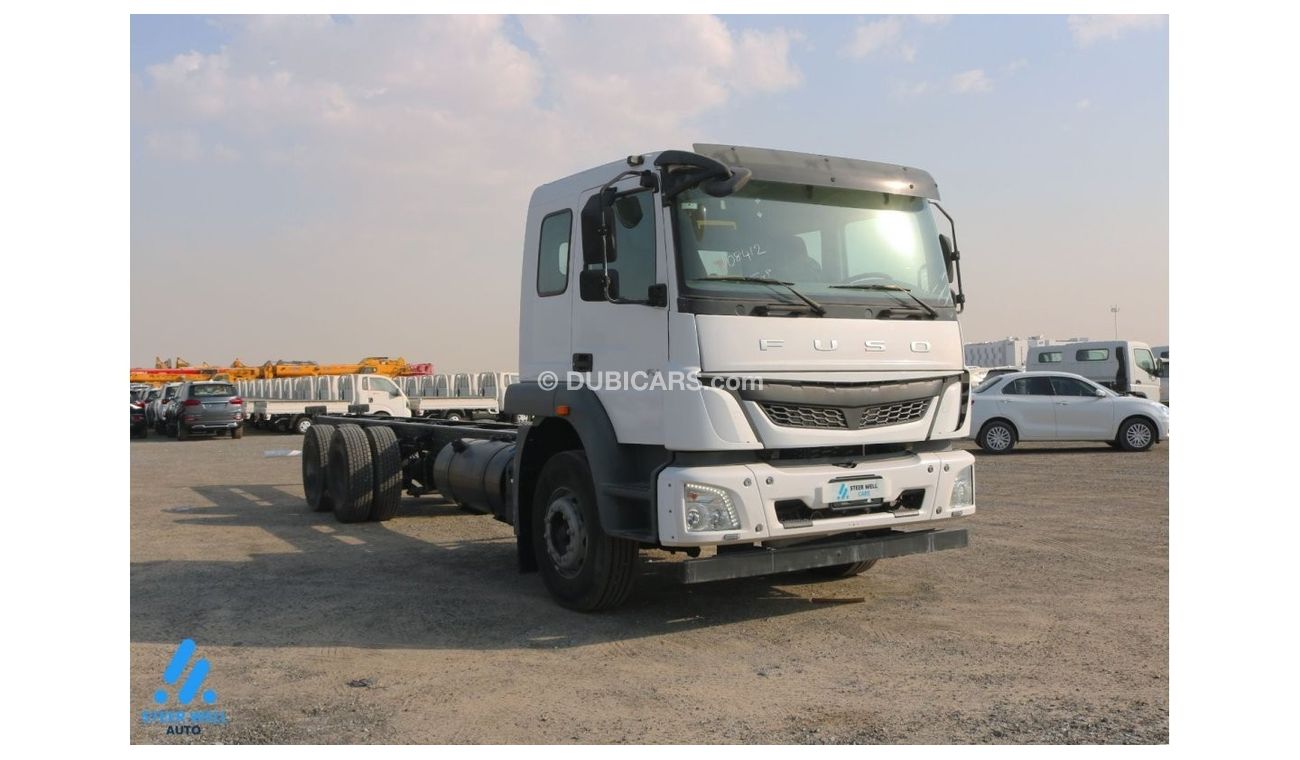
(825,171)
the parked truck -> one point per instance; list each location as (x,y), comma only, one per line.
(1124,366)
(458,396)
(289,404)
(748,360)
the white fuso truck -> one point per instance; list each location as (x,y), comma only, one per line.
(747,356)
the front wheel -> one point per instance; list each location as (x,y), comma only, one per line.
(1137,434)
(997,437)
(582,567)
(301,424)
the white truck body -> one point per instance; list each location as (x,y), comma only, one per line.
(839,352)
(289,403)
(459,395)
(748,356)
(1124,366)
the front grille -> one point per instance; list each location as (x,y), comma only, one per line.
(787,415)
(891,414)
(845,418)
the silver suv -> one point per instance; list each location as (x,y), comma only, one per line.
(208,406)
(160,409)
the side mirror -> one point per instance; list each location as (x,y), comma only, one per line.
(598,228)
(627,210)
(1098,392)
(949,261)
(598,284)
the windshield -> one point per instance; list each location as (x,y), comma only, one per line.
(814,237)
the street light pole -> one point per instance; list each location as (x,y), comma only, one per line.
(1114,309)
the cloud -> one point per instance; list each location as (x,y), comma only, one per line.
(1016,65)
(971,81)
(412,140)
(883,36)
(1082,104)
(1088,30)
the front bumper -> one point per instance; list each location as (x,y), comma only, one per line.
(818,553)
(758,488)
(227,423)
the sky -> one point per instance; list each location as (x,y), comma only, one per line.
(329,188)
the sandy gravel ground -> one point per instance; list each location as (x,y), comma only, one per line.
(1052,626)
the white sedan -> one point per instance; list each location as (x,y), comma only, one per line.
(1059,406)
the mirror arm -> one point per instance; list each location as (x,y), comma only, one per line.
(960,298)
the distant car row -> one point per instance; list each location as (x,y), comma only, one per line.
(288,404)
(183,409)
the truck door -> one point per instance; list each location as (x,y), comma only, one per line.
(627,342)
(1145,373)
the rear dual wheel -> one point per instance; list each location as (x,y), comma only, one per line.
(354,471)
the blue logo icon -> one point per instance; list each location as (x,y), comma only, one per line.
(844,492)
(193,682)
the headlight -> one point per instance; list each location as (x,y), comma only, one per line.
(709,508)
(963,488)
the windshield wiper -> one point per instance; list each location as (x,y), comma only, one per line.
(891,289)
(817,308)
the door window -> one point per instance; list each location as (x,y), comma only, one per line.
(383,384)
(553,254)
(1029,386)
(1092,354)
(1069,386)
(1145,360)
(634,245)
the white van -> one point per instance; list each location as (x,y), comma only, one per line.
(1124,366)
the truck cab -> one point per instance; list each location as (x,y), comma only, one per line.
(732,348)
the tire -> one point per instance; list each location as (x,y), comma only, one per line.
(1136,434)
(453,417)
(281,425)
(997,437)
(386,457)
(583,568)
(351,478)
(237,432)
(182,434)
(315,467)
(301,424)
(844,571)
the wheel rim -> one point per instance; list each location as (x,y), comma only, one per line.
(998,438)
(566,534)
(304,425)
(1138,435)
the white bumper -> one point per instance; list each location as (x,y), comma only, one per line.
(757,487)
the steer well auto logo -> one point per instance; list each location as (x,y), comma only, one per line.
(176,695)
